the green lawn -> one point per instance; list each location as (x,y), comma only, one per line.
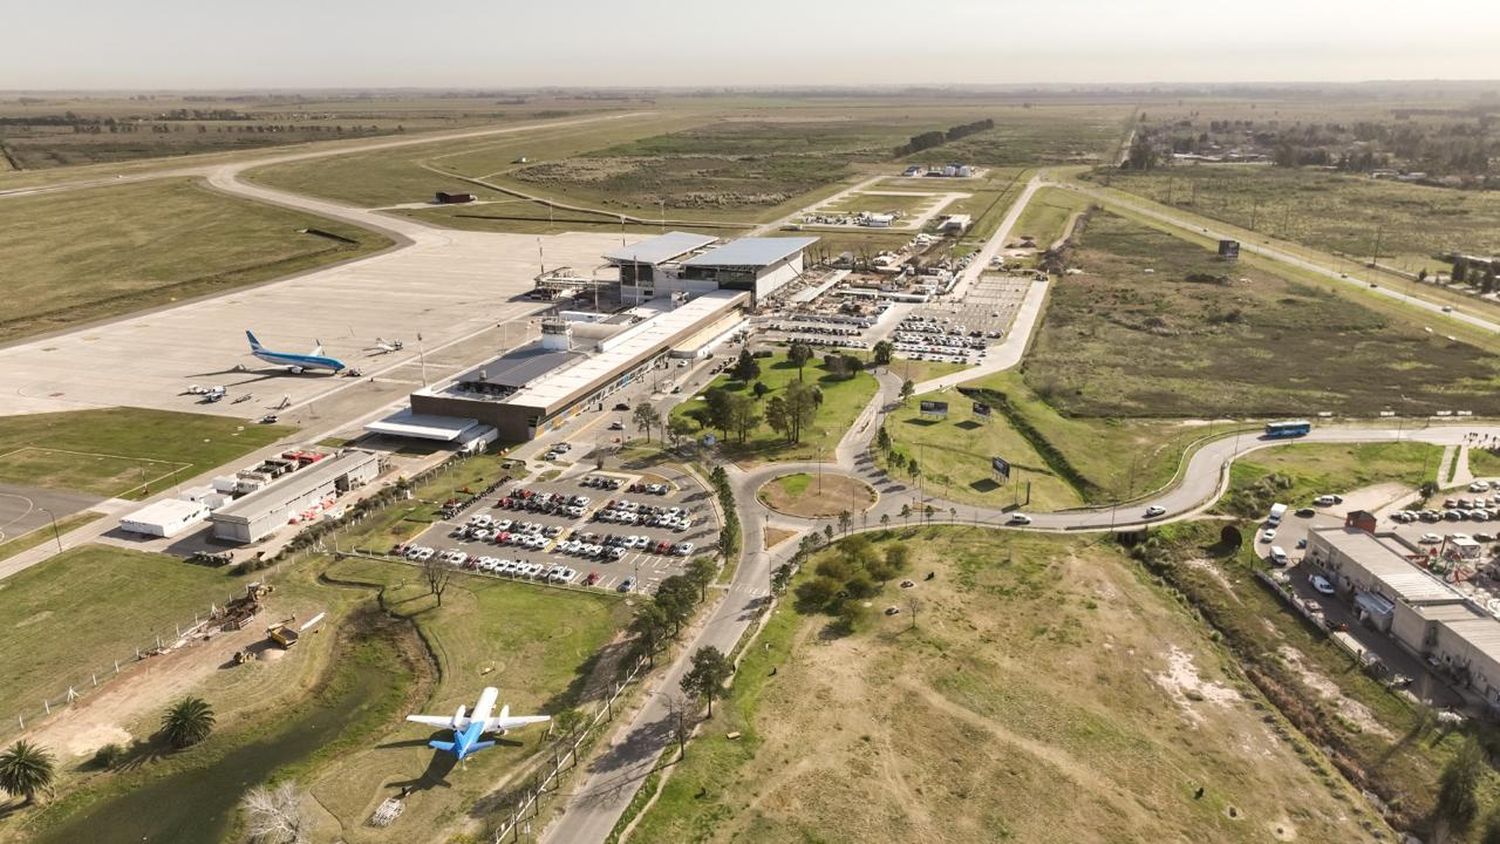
(87,607)
(954,457)
(126,452)
(1196,337)
(1314,469)
(99,252)
(1047,215)
(910,204)
(1484,463)
(540,646)
(843,399)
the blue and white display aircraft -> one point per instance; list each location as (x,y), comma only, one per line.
(297,363)
(468,731)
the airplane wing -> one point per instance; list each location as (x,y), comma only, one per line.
(514,721)
(438,721)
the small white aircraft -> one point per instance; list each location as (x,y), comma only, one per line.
(385,347)
(468,730)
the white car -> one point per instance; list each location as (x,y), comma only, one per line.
(1268,534)
(616,553)
(1479,486)
(1320,584)
(683,549)
(1430,539)
(1018,519)
(503,524)
(1155,510)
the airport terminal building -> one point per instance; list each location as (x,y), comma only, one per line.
(686,295)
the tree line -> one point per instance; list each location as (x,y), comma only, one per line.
(928,140)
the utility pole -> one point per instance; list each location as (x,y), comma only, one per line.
(1375,257)
(55,534)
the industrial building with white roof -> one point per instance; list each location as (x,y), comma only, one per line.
(1425,615)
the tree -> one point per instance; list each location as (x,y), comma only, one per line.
(679,429)
(187,722)
(437,573)
(913,604)
(569,721)
(818,593)
(650,626)
(801,409)
(1142,155)
(702,571)
(275,815)
(828,532)
(677,596)
(679,721)
(760,389)
(1457,806)
(26,770)
(1422,274)
(1491,833)
(908,389)
(885,519)
(705,680)
(700,415)
(883,352)
(778,418)
(845,521)
(852,365)
(837,365)
(799,354)
(645,417)
(1460,269)
(906,512)
(746,368)
(742,416)
(883,440)
(913,470)
(897,558)
(716,402)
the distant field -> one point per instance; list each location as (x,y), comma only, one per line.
(100,252)
(1119,341)
(87,607)
(1047,692)
(1045,134)
(1315,469)
(909,204)
(390,177)
(58,130)
(1333,212)
(115,452)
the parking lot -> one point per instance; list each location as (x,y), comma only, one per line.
(615,530)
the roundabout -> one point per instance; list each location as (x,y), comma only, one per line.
(813,495)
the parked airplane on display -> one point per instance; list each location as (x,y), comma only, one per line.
(468,730)
(298,363)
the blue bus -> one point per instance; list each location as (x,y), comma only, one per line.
(1284,430)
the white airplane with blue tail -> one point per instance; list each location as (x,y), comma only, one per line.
(469,730)
(297,363)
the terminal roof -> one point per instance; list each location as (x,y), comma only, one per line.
(751,252)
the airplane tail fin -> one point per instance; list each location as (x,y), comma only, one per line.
(445,746)
(254,343)
(504,712)
(318,349)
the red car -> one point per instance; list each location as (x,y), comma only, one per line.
(591,579)
(663,547)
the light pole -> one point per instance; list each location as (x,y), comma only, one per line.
(55,534)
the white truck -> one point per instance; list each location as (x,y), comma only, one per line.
(1277,512)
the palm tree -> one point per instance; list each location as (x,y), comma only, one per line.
(188,721)
(26,769)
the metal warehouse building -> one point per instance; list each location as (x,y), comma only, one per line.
(681,262)
(267,510)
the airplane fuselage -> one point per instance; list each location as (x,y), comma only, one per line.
(302,363)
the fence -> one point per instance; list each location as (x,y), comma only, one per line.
(88,681)
(564,753)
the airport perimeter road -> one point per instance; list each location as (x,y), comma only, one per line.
(1195,225)
(997,240)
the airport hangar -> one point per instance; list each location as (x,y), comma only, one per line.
(688,296)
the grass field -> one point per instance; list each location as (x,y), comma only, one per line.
(811,497)
(1313,469)
(843,399)
(389,177)
(1050,134)
(954,457)
(1484,463)
(87,607)
(540,646)
(123,452)
(910,204)
(100,252)
(1046,216)
(1046,693)
(1333,212)
(1195,337)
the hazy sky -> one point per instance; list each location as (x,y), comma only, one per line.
(496,43)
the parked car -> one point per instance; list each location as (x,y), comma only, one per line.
(1018,519)
(1320,584)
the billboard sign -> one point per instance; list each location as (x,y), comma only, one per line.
(1001,466)
(1229,250)
(981,409)
(934,408)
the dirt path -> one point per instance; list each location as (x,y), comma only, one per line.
(102,718)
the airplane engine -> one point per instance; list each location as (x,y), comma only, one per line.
(296,370)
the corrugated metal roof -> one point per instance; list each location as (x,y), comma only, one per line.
(520,367)
(1387,565)
(273,497)
(751,252)
(424,426)
(660,249)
